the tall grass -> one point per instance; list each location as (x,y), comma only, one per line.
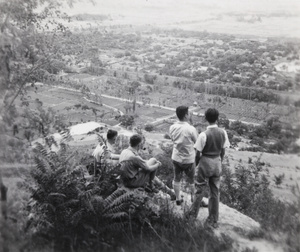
(247,190)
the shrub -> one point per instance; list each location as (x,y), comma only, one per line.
(167,136)
(126,120)
(261,131)
(234,140)
(71,211)
(149,127)
(247,190)
(258,141)
(253,149)
(74,214)
(84,107)
(239,127)
(133,58)
(278,179)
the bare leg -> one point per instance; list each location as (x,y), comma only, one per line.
(162,186)
(151,161)
(177,187)
(192,186)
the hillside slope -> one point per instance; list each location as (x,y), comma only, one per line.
(232,224)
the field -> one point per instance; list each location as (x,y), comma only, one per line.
(70,105)
(231,17)
(63,102)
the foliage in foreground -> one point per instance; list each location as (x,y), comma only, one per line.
(69,212)
(248,191)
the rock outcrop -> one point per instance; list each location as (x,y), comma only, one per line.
(232,223)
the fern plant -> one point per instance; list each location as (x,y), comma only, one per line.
(71,211)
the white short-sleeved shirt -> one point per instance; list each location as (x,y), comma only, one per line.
(104,151)
(184,137)
(201,140)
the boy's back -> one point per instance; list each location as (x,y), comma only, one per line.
(184,137)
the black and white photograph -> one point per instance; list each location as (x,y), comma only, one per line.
(149,125)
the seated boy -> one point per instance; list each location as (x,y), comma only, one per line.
(135,171)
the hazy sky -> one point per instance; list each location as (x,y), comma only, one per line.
(186,6)
(201,14)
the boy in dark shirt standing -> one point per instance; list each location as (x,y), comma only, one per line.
(210,150)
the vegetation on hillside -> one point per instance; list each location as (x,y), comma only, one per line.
(55,204)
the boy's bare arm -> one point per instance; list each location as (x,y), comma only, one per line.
(197,158)
(222,153)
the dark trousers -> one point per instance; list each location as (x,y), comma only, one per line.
(141,179)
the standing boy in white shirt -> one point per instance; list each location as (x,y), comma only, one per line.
(184,137)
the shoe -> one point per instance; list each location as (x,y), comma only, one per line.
(190,216)
(179,202)
(211,224)
(215,225)
(207,223)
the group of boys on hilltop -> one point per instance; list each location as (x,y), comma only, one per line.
(199,156)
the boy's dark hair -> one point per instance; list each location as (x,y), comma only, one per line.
(211,115)
(111,134)
(135,140)
(181,111)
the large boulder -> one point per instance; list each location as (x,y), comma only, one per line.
(239,227)
(228,217)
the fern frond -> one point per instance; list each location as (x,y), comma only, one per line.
(116,209)
(66,136)
(42,164)
(97,202)
(59,172)
(48,206)
(114,227)
(113,196)
(116,215)
(57,195)
(65,156)
(89,206)
(44,225)
(125,198)
(42,153)
(100,139)
(40,149)
(76,217)
(69,203)
(120,203)
(75,171)
(86,194)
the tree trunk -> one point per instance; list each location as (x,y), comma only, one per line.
(3,190)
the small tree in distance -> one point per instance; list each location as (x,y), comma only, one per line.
(278,179)
(126,120)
